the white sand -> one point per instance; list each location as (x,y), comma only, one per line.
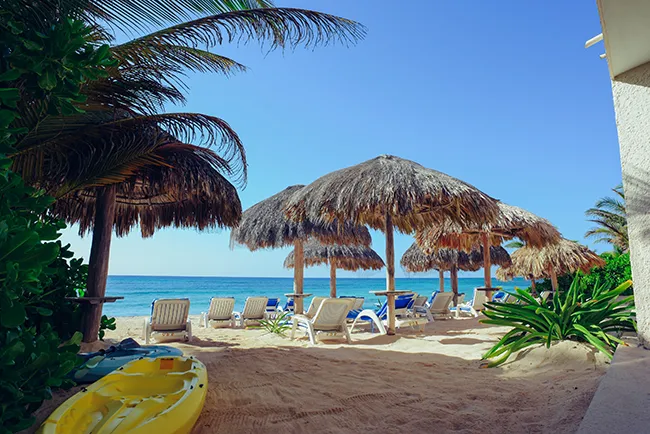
(413,383)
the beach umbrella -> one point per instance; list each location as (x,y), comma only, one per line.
(345,256)
(388,192)
(265,225)
(511,222)
(561,257)
(188,191)
(415,260)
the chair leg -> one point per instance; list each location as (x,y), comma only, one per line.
(347,334)
(312,335)
(188,330)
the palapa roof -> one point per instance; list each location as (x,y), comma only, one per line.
(563,257)
(415,260)
(265,225)
(415,196)
(348,257)
(511,222)
(189,191)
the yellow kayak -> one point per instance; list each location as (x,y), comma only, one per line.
(163,395)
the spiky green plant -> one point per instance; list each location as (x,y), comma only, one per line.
(596,316)
(278,325)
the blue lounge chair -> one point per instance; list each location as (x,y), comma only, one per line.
(288,306)
(404,317)
(272,307)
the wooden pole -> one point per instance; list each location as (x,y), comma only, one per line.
(454,282)
(553,278)
(332,278)
(487,264)
(390,273)
(533,286)
(441,277)
(298,275)
(98,264)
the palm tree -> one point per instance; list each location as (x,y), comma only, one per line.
(114,154)
(611,219)
(515,244)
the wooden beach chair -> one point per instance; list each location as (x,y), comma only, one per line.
(220,313)
(254,311)
(328,323)
(169,320)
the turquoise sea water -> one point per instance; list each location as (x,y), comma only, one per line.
(139,291)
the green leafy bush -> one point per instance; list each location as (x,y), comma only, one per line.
(278,325)
(106,323)
(596,316)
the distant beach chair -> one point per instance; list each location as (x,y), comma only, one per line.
(438,307)
(473,307)
(403,315)
(288,306)
(254,311)
(357,305)
(544,295)
(272,307)
(169,320)
(220,313)
(328,322)
(499,297)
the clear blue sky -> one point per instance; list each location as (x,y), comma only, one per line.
(499,94)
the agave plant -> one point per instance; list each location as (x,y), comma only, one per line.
(278,325)
(597,317)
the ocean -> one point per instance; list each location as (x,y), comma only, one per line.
(140,291)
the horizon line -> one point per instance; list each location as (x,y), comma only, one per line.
(288,277)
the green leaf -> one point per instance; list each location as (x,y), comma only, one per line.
(47,80)
(12,316)
(11,75)
(9,96)
(44,311)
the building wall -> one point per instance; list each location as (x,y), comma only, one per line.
(631,92)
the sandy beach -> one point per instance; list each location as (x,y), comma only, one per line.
(412,382)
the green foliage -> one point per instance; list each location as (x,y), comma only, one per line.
(106,323)
(594,316)
(278,325)
(610,217)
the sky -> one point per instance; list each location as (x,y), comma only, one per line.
(502,95)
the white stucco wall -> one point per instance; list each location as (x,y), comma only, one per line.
(631,92)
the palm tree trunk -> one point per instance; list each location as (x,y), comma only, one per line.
(98,264)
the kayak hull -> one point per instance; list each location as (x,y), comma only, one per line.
(161,396)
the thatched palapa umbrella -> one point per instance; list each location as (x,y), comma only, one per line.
(415,260)
(388,192)
(188,191)
(345,256)
(265,225)
(562,257)
(511,222)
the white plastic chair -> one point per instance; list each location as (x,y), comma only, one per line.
(220,313)
(254,311)
(169,320)
(439,307)
(329,321)
(474,306)
(313,306)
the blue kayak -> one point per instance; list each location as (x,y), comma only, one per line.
(103,362)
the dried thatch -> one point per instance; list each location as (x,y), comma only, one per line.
(562,257)
(347,257)
(511,222)
(188,192)
(414,196)
(265,225)
(415,260)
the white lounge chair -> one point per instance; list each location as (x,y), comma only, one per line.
(254,311)
(403,315)
(473,307)
(329,321)
(439,306)
(313,306)
(219,314)
(169,320)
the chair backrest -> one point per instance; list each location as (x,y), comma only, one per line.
(441,302)
(509,298)
(254,308)
(314,305)
(499,296)
(169,314)
(331,314)
(480,297)
(357,301)
(461,299)
(403,303)
(544,295)
(420,301)
(272,304)
(221,308)
(289,305)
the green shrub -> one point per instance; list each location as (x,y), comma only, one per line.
(278,325)
(595,316)
(106,323)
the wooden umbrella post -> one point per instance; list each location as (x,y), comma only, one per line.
(487,265)
(98,264)
(454,283)
(390,273)
(332,277)
(533,286)
(554,284)
(298,275)
(441,278)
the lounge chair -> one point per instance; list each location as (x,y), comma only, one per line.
(357,305)
(254,311)
(473,307)
(288,306)
(329,321)
(313,306)
(169,320)
(272,307)
(403,316)
(219,314)
(438,307)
